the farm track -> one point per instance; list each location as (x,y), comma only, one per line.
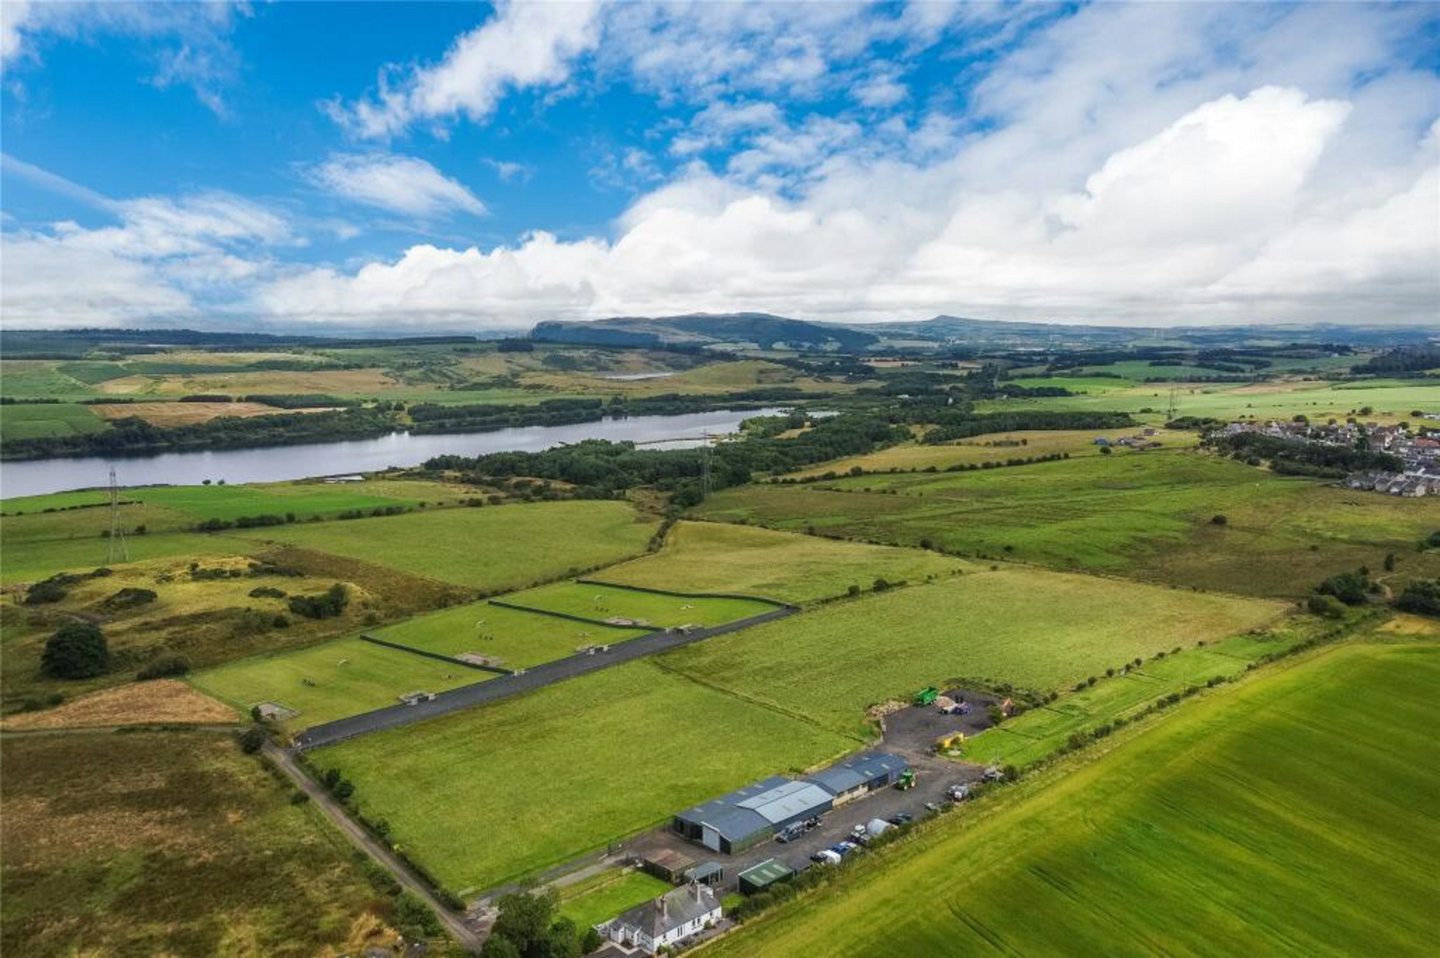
(483,693)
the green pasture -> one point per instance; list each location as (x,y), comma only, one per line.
(24,559)
(603,896)
(494,548)
(1041,732)
(517,639)
(42,420)
(1293,814)
(1031,628)
(1147,515)
(333,680)
(492,794)
(749,560)
(602,602)
(39,379)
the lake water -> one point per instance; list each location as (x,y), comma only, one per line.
(279,463)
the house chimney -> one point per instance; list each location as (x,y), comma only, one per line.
(662,906)
(696,886)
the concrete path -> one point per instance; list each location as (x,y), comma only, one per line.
(471,938)
(482,693)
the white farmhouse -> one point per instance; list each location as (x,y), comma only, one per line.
(668,919)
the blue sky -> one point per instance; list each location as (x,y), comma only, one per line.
(416,166)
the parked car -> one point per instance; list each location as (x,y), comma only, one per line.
(994,774)
(958,793)
(902,818)
(790,832)
(826,856)
(844,848)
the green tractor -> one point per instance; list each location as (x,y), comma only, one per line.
(906,781)
(927,695)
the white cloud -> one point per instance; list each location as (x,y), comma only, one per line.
(527,43)
(508,170)
(401,184)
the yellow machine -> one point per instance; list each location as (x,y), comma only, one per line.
(946,743)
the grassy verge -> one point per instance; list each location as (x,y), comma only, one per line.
(607,894)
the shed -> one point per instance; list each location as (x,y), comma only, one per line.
(706,873)
(858,776)
(666,864)
(759,877)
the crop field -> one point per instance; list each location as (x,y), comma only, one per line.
(1249,822)
(1146,515)
(602,602)
(1033,629)
(749,560)
(707,380)
(330,681)
(513,638)
(992,447)
(48,419)
(170,414)
(38,379)
(489,795)
(602,897)
(1390,400)
(494,549)
(167,844)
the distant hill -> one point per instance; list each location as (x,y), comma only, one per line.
(707,329)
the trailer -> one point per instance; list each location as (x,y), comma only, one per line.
(927,695)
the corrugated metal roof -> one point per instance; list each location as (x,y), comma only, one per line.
(737,824)
(784,802)
(706,810)
(854,772)
(767,871)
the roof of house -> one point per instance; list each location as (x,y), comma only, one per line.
(681,906)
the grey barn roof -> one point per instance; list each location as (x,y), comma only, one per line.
(785,801)
(853,773)
(707,811)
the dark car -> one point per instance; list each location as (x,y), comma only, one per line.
(902,818)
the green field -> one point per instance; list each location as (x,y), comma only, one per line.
(330,681)
(25,560)
(516,639)
(604,602)
(47,419)
(1041,732)
(723,557)
(489,795)
(494,549)
(1260,820)
(603,896)
(1034,629)
(168,844)
(1146,515)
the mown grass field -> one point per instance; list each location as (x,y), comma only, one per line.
(749,560)
(607,894)
(48,419)
(516,639)
(1290,815)
(168,844)
(1031,628)
(333,680)
(991,447)
(602,602)
(486,796)
(1390,400)
(494,549)
(1146,515)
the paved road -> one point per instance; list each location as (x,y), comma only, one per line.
(363,840)
(482,693)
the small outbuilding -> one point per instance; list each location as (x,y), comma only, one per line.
(666,865)
(759,877)
(709,873)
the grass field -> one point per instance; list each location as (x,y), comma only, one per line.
(723,557)
(27,560)
(157,702)
(47,419)
(168,844)
(1034,629)
(330,681)
(992,447)
(607,894)
(489,795)
(516,639)
(1250,822)
(171,414)
(494,549)
(602,602)
(1146,515)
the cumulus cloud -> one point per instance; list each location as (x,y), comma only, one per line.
(401,184)
(527,43)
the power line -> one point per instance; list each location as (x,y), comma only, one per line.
(115,546)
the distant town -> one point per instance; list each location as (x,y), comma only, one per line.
(1414,445)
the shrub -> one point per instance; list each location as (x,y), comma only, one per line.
(1326,605)
(252,740)
(45,592)
(1219,520)
(331,603)
(1421,598)
(1348,587)
(77,650)
(164,667)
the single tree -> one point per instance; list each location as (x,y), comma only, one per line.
(77,650)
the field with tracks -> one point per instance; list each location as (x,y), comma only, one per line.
(489,795)
(1147,515)
(604,602)
(1249,822)
(723,557)
(1034,629)
(47,419)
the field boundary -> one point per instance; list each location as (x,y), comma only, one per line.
(559,615)
(686,595)
(365,637)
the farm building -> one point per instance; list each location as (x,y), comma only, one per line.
(666,864)
(706,873)
(669,919)
(856,777)
(735,822)
(760,877)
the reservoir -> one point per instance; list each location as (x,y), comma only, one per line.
(280,463)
